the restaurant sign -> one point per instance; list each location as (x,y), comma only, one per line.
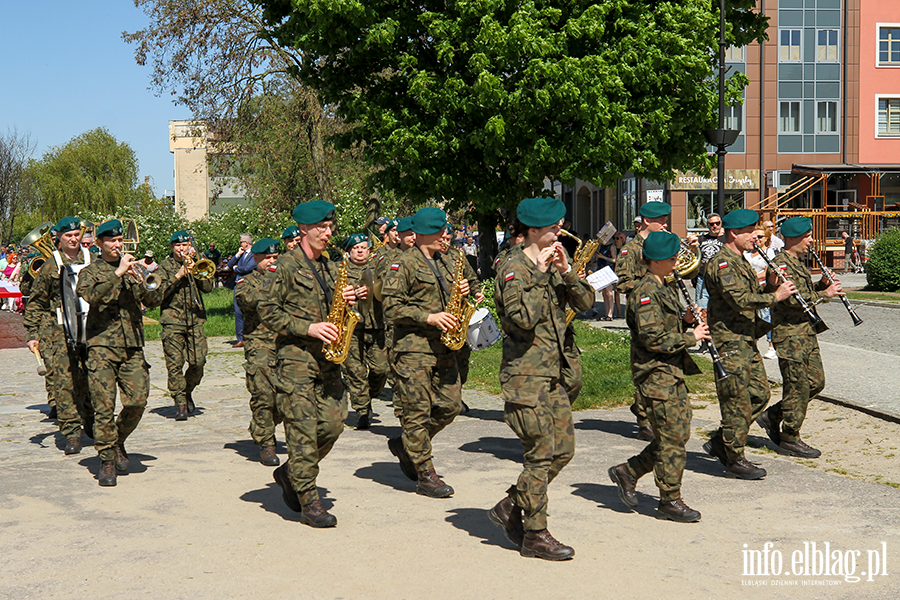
(735,179)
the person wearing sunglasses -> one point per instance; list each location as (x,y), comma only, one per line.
(710,243)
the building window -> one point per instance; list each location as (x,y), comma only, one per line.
(734,54)
(789,45)
(888,117)
(789,117)
(889,46)
(826,115)
(702,203)
(734,117)
(827,45)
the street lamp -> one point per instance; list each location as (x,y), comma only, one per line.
(721,138)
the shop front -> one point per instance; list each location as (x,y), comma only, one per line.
(694,196)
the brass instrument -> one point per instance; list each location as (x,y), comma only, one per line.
(583,255)
(341,316)
(39,239)
(130,237)
(688,260)
(149,280)
(827,272)
(459,307)
(202,269)
(707,345)
(810,313)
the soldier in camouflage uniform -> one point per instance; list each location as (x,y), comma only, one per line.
(182,316)
(115,340)
(630,269)
(259,351)
(43,322)
(416,291)
(297,297)
(659,363)
(366,366)
(735,298)
(531,292)
(794,336)
(291,237)
(25,287)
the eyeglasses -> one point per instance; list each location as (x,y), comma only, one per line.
(714,223)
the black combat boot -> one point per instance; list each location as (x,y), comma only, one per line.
(267,456)
(509,516)
(107,475)
(432,486)
(181,412)
(190,403)
(621,476)
(798,448)
(716,447)
(73,445)
(743,469)
(770,426)
(677,510)
(315,515)
(52,414)
(122,462)
(645,433)
(543,545)
(406,464)
(362,420)
(287,490)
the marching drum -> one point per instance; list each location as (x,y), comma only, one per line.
(483,331)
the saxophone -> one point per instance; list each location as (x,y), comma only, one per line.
(341,316)
(459,307)
(583,255)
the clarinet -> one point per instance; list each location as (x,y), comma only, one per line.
(827,272)
(707,345)
(813,317)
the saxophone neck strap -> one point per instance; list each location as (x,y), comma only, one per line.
(439,275)
(329,298)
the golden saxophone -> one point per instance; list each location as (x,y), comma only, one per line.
(583,255)
(341,316)
(459,307)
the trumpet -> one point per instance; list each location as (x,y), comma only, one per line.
(149,280)
(827,272)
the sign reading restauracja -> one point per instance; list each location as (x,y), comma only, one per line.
(736,179)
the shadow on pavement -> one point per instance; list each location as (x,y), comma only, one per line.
(387,474)
(484,414)
(627,429)
(44,409)
(502,448)
(607,496)
(58,440)
(388,431)
(477,523)
(270,500)
(136,460)
(168,412)
(249,450)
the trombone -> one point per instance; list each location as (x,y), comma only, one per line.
(202,269)
(39,239)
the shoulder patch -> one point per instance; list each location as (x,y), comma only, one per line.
(645,300)
(239,280)
(723,264)
(623,252)
(509,276)
(395,267)
(271,267)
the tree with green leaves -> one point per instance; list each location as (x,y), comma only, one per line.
(92,172)
(475,104)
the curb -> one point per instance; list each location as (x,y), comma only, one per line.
(872,412)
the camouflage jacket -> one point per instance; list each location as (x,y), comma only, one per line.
(658,341)
(384,260)
(44,308)
(178,306)
(370,309)
(115,319)
(532,310)
(410,293)
(292,300)
(248,291)
(734,298)
(630,267)
(788,317)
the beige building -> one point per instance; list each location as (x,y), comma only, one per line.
(194,188)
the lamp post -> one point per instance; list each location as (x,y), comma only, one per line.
(721,138)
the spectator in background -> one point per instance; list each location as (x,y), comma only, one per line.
(759,265)
(241,263)
(606,257)
(87,241)
(777,244)
(709,244)
(149,262)
(212,254)
(849,247)
(471,251)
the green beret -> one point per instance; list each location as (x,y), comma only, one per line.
(404,224)
(290,233)
(654,210)
(429,220)
(67,224)
(740,218)
(449,228)
(356,238)
(112,228)
(391,224)
(661,245)
(540,212)
(316,211)
(796,226)
(179,237)
(266,246)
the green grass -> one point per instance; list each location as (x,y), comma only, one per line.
(874,296)
(219,316)
(606,369)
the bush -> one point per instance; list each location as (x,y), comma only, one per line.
(883,267)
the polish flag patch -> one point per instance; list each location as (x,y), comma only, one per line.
(645,300)
(783,267)
(395,267)
(623,252)
(239,280)
(722,265)
(271,267)
(509,277)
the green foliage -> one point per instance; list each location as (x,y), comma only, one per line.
(219,316)
(883,266)
(487,288)
(93,172)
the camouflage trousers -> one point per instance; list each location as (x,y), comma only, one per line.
(669,411)
(537,409)
(260,369)
(182,345)
(430,397)
(68,380)
(310,400)
(366,368)
(802,376)
(462,362)
(742,396)
(106,368)
(570,372)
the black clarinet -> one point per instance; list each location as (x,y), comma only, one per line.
(827,272)
(813,317)
(707,345)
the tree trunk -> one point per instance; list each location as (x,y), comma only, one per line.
(487,243)
(372,210)
(315,132)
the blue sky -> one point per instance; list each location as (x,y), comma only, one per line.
(64,70)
